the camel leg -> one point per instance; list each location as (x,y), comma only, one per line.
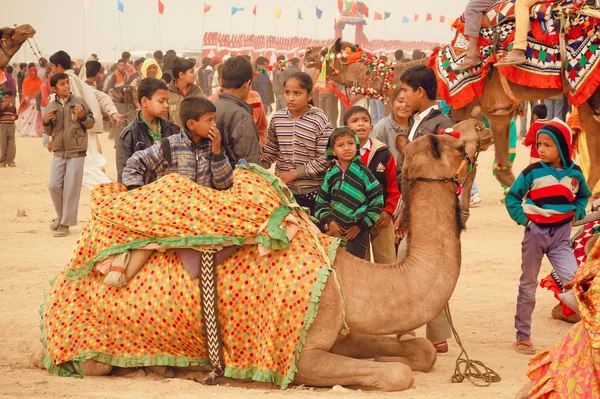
(319,368)
(500,126)
(94,368)
(591,127)
(418,353)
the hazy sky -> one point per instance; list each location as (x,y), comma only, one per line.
(65,25)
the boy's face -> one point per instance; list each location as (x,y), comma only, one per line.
(189,77)
(344,148)
(400,108)
(202,126)
(158,104)
(121,67)
(548,150)
(412,98)
(6,99)
(62,88)
(360,122)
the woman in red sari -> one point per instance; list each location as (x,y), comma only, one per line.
(30,120)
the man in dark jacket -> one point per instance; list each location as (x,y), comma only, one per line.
(149,125)
(234,115)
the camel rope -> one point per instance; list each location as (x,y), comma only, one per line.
(472,370)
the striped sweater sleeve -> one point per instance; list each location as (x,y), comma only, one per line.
(221,172)
(318,165)
(514,199)
(140,164)
(374,201)
(271,149)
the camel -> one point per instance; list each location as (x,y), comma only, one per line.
(370,297)
(498,103)
(11,41)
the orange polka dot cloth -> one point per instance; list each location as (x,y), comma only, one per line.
(266,303)
(572,368)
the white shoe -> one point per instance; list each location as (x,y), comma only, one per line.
(475,199)
(568,298)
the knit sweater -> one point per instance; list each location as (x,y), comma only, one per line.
(299,144)
(350,197)
(552,197)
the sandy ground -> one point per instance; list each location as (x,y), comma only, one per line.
(482,306)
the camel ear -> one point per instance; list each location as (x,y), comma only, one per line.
(337,47)
(401,143)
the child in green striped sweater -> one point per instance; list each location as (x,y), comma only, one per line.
(351,199)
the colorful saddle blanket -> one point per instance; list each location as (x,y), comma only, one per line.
(543,67)
(266,302)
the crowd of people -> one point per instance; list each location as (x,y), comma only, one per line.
(170,115)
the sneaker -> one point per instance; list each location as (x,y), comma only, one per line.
(12,165)
(475,199)
(55,224)
(62,231)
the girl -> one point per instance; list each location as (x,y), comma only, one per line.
(297,138)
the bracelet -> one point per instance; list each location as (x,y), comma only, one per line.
(502,166)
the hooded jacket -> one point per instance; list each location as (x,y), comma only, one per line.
(552,197)
(175,99)
(382,165)
(350,197)
(299,144)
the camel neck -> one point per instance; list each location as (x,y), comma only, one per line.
(396,298)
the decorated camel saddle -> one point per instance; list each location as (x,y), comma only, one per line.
(133,293)
(560,30)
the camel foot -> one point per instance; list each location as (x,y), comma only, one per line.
(524,392)
(37,357)
(94,368)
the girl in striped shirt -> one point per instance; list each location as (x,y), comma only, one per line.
(296,141)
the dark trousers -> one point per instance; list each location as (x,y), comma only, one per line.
(359,246)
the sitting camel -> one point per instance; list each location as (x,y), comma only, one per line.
(374,301)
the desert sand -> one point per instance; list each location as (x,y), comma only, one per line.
(482,306)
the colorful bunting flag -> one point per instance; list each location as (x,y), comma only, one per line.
(354,10)
(416,17)
(378,17)
(120,5)
(442,19)
(405,20)
(340,5)
(161,7)
(206,8)
(299,14)
(428,17)
(349,5)
(235,9)
(363,9)
(386,15)
(319,13)
(277,12)
(254,11)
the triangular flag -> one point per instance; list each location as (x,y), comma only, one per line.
(349,5)
(87,4)
(254,11)
(416,17)
(355,8)
(161,7)
(319,13)
(206,8)
(386,15)
(299,14)
(428,17)
(442,18)
(378,16)
(340,5)
(235,9)
(120,5)
(277,12)
(405,20)
(363,9)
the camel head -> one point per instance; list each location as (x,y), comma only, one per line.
(17,36)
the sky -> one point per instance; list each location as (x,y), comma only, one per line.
(102,29)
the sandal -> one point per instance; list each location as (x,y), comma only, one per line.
(524,347)
(469,63)
(441,347)
(511,59)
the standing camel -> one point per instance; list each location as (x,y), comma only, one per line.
(498,103)
(374,300)
(11,41)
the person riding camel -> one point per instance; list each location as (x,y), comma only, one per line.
(517,55)
(473,16)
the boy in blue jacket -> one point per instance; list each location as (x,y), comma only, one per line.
(555,194)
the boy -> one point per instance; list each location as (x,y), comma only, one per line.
(8,116)
(419,89)
(149,125)
(350,201)
(234,115)
(182,86)
(66,121)
(195,152)
(262,83)
(555,194)
(539,120)
(382,165)
(92,72)
(116,82)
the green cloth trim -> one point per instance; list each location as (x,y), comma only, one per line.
(154,134)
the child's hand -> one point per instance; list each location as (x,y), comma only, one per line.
(399,227)
(352,232)
(335,230)
(288,177)
(49,147)
(215,137)
(49,117)
(79,111)
(384,220)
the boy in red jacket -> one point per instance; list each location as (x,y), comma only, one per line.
(380,161)
(539,119)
